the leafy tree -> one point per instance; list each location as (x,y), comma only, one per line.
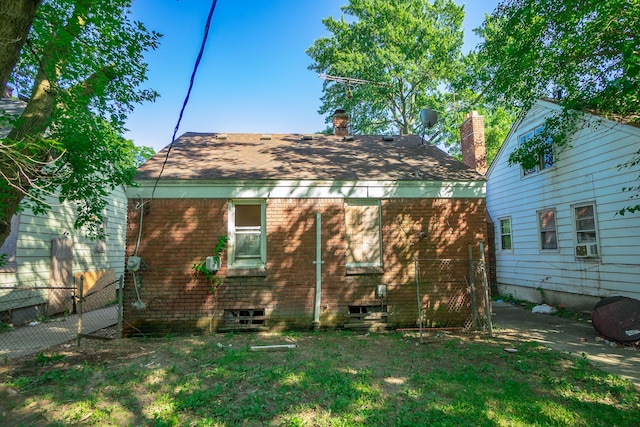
(408,51)
(586,51)
(408,54)
(83,69)
(142,154)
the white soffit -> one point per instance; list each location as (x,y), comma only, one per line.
(177,189)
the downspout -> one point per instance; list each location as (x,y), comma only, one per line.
(318,262)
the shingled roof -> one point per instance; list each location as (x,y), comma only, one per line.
(211,156)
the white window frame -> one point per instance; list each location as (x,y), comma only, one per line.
(541,230)
(364,202)
(501,234)
(577,232)
(231,244)
(543,162)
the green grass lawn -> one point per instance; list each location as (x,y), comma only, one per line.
(329,379)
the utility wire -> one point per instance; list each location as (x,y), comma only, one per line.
(186,99)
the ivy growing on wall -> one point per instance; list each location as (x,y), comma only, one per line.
(200,267)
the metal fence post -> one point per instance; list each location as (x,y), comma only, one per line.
(472,285)
(120,307)
(80,298)
(485,285)
(415,264)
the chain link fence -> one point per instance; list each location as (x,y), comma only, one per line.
(450,294)
(96,313)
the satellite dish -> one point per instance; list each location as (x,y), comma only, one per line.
(429,118)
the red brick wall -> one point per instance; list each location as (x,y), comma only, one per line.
(472,142)
(177,233)
(340,123)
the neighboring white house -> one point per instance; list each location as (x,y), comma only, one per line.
(45,255)
(558,235)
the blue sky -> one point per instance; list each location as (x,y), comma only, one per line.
(253,76)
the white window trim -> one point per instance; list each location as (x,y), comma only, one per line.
(537,169)
(555,220)
(542,161)
(574,226)
(499,233)
(367,202)
(231,244)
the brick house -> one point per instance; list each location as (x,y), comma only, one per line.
(323,230)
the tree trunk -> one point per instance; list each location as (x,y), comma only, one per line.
(35,118)
(16,17)
(38,114)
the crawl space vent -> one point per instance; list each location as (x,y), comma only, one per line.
(243,319)
(367,317)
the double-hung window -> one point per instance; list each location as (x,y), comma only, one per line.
(506,243)
(247,234)
(586,236)
(547,229)
(364,242)
(522,139)
(544,158)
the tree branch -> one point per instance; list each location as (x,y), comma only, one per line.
(95,83)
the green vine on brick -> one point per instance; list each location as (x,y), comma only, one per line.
(200,267)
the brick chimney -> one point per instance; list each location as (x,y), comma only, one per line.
(340,123)
(472,142)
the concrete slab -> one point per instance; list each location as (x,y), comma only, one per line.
(27,340)
(570,336)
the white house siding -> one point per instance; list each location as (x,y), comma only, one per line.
(33,251)
(586,172)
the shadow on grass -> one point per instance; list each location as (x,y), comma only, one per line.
(333,378)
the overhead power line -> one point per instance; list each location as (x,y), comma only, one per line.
(205,36)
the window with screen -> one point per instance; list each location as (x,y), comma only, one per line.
(586,234)
(505,234)
(247,244)
(547,226)
(545,157)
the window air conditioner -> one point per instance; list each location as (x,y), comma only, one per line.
(589,250)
